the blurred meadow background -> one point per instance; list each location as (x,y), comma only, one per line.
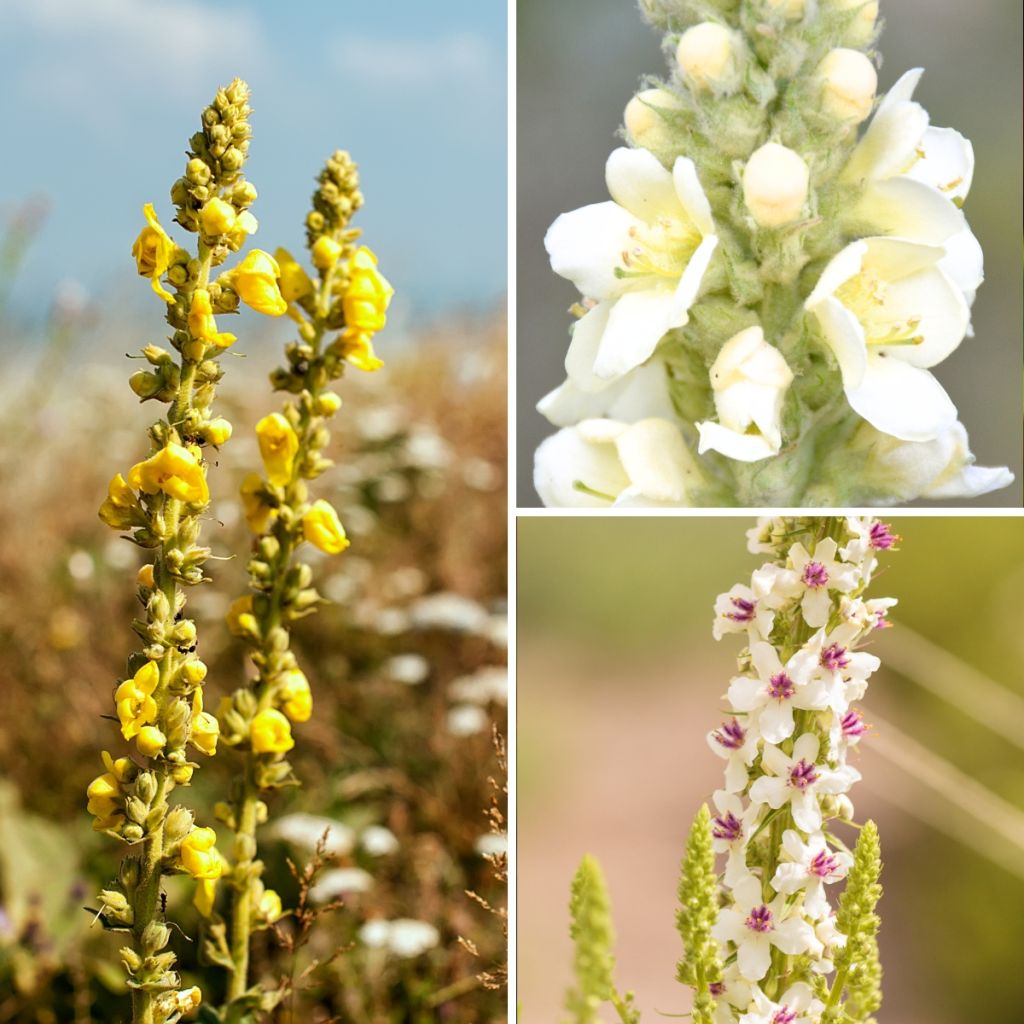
(407,663)
(619,681)
(579,63)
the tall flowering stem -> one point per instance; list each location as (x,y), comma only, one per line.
(161,505)
(791,723)
(769,286)
(338,311)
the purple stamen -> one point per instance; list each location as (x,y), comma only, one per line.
(760,920)
(815,575)
(784,1016)
(882,537)
(781,687)
(727,827)
(802,775)
(744,610)
(853,724)
(881,619)
(732,735)
(834,658)
(824,865)
(716,988)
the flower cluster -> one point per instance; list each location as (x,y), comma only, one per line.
(790,724)
(348,300)
(768,288)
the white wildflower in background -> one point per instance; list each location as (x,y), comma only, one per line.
(305,831)
(783,262)
(378,841)
(338,882)
(404,938)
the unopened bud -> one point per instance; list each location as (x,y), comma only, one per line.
(775,184)
(145,384)
(848,84)
(328,403)
(791,10)
(217,431)
(644,120)
(178,825)
(710,57)
(862,27)
(154,937)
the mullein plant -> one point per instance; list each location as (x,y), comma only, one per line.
(768,288)
(338,310)
(161,504)
(764,939)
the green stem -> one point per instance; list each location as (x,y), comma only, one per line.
(146,895)
(242,908)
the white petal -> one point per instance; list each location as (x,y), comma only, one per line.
(806,811)
(600,430)
(970,482)
(776,761)
(741,447)
(903,89)
(939,307)
(564,458)
(729,927)
(845,264)
(583,348)
(638,321)
(844,335)
(792,936)
(689,283)
(765,659)
(586,246)
(806,749)
(638,182)
(816,606)
(748,892)
(964,263)
(889,146)
(735,775)
(771,791)
(691,195)
(947,164)
(754,957)
(656,460)
(902,400)
(909,209)
(745,693)
(893,258)
(776,721)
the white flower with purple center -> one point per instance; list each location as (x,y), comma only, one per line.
(733,992)
(831,939)
(868,537)
(731,828)
(740,611)
(845,732)
(816,576)
(754,926)
(797,1005)
(738,745)
(776,690)
(799,781)
(831,657)
(867,615)
(810,867)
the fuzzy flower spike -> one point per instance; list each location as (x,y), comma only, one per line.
(783,263)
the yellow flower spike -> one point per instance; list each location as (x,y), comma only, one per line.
(270,908)
(271,733)
(293,280)
(322,528)
(199,855)
(176,471)
(205,728)
(151,741)
(152,251)
(217,217)
(258,514)
(218,431)
(325,252)
(255,280)
(145,577)
(241,608)
(368,295)
(296,696)
(202,323)
(278,445)
(134,698)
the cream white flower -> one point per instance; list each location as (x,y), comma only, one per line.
(809,868)
(754,927)
(730,829)
(797,1005)
(775,182)
(808,577)
(888,312)
(601,462)
(740,610)
(749,379)
(642,256)
(940,469)
(738,746)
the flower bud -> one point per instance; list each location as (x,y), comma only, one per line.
(179,824)
(131,960)
(848,84)
(643,117)
(791,10)
(182,774)
(154,937)
(328,404)
(775,184)
(325,252)
(132,832)
(710,58)
(217,431)
(145,384)
(217,217)
(151,741)
(145,787)
(862,27)
(145,577)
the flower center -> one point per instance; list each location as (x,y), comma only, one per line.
(781,687)
(662,249)
(802,775)
(759,920)
(864,296)
(744,610)
(882,538)
(727,827)
(784,1015)
(853,724)
(824,865)
(716,988)
(731,735)
(815,575)
(834,658)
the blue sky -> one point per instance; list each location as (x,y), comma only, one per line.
(100,98)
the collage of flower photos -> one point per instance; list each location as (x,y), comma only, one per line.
(511,512)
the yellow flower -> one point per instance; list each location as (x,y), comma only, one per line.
(241,621)
(278,445)
(296,698)
(199,854)
(134,698)
(105,800)
(119,508)
(325,252)
(202,324)
(271,733)
(176,471)
(206,893)
(145,577)
(293,279)
(368,295)
(152,251)
(322,528)
(218,431)
(328,403)
(258,514)
(357,349)
(194,671)
(217,217)
(205,728)
(245,225)
(255,280)
(188,1000)
(151,741)
(269,909)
